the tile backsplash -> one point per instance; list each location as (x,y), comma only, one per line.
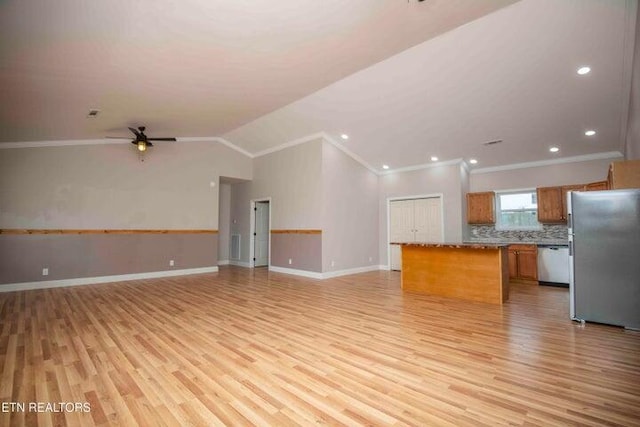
(549,232)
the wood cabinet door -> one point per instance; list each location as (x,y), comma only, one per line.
(625,174)
(550,204)
(565,190)
(597,186)
(481,208)
(528,264)
(513,264)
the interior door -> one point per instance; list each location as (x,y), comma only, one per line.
(433,224)
(261,230)
(415,220)
(400,229)
(401,221)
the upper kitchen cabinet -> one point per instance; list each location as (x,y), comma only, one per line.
(549,204)
(624,174)
(597,186)
(481,208)
(552,203)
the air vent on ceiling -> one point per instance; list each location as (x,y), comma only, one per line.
(93,114)
(494,142)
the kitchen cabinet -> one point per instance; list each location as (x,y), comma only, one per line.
(597,186)
(624,174)
(481,208)
(523,263)
(552,203)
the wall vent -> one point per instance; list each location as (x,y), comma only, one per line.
(235,247)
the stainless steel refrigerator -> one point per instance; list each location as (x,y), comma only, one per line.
(604,257)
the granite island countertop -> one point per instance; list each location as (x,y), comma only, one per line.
(454,245)
(547,242)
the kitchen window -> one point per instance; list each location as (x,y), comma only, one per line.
(517,210)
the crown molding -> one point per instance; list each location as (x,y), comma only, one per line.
(583,158)
(216,139)
(61,143)
(315,137)
(423,166)
(105,141)
(293,143)
(350,153)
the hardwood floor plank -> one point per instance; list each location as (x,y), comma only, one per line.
(251,347)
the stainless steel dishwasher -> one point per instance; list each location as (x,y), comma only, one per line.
(553,264)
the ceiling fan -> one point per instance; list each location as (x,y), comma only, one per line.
(142,140)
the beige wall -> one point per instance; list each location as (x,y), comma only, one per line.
(542,176)
(224,221)
(108,187)
(465,182)
(292,178)
(632,146)
(349,211)
(445,180)
(239,214)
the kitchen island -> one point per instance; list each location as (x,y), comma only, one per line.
(476,272)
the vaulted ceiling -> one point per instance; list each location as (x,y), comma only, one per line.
(405,80)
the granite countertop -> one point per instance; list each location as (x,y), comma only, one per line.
(546,242)
(468,245)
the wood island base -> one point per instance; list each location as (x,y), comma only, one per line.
(466,271)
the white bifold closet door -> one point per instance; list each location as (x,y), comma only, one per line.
(413,220)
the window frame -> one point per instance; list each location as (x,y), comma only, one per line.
(502,227)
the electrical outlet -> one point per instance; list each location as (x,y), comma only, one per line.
(290,261)
(333,263)
(45,271)
(171,263)
(370,259)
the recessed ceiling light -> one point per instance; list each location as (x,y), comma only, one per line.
(473,161)
(583,70)
(554,149)
(344,136)
(385,166)
(434,159)
(590,132)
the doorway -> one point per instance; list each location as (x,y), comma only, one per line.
(260,233)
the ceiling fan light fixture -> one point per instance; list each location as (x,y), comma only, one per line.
(142,146)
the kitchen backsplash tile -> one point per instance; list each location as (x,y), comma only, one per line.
(549,232)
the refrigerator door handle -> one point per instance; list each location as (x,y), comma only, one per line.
(570,221)
(571,247)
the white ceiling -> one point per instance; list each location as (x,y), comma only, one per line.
(405,80)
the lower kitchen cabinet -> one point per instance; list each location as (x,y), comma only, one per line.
(523,263)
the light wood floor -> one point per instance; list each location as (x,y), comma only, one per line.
(241,347)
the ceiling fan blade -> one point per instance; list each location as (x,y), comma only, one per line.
(135,132)
(117,137)
(161,139)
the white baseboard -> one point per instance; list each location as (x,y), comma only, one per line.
(338,273)
(239,263)
(303,273)
(223,262)
(384,267)
(326,275)
(11,287)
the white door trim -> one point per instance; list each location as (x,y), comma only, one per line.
(412,197)
(252,229)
